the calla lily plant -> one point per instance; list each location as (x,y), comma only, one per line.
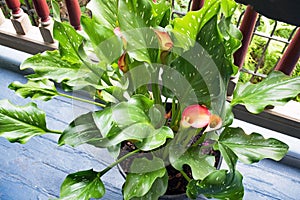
(159,84)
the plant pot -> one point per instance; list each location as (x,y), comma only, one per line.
(169,196)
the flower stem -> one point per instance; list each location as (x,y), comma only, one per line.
(80,99)
(156,94)
(118,161)
(185,175)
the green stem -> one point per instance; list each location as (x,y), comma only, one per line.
(156,94)
(176,114)
(80,99)
(200,140)
(118,161)
(185,176)
(54,132)
(156,87)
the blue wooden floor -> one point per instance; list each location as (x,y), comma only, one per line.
(36,170)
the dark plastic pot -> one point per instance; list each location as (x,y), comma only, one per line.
(175,196)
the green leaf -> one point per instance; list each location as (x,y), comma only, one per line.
(43,89)
(213,42)
(186,79)
(142,181)
(156,138)
(69,41)
(20,123)
(219,184)
(203,64)
(136,132)
(111,126)
(107,46)
(229,156)
(228,7)
(201,164)
(80,131)
(50,65)
(254,147)
(159,188)
(157,115)
(187,28)
(228,119)
(141,101)
(135,14)
(126,114)
(276,89)
(104,12)
(56,10)
(135,21)
(82,185)
(91,128)
(162,11)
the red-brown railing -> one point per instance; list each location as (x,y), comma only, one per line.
(17,32)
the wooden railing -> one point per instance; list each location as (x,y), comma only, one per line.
(19,33)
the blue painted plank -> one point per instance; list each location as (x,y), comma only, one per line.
(37,169)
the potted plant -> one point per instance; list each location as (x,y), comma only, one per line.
(160,87)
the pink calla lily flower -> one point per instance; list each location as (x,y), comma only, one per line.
(198,116)
(195,116)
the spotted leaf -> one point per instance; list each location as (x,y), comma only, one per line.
(201,165)
(104,12)
(252,148)
(20,123)
(276,89)
(187,27)
(43,89)
(219,184)
(135,21)
(147,178)
(82,185)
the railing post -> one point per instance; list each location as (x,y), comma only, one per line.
(247,28)
(74,12)
(2,18)
(291,55)
(20,20)
(197,5)
(46,23)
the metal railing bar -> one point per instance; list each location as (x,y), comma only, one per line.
(253,73)
(264,50)
(275,38)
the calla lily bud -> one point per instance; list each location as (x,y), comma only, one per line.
(122,63)
(215,122)
(164,39)
(195,116)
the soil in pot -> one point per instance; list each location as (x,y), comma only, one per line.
(176,183)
